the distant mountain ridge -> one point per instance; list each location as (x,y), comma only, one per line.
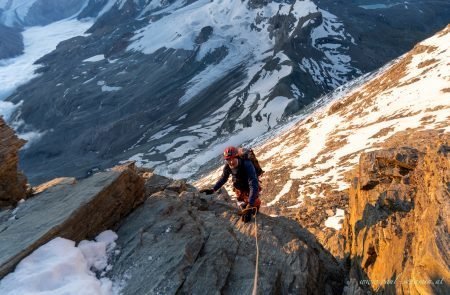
(26,13)
(172,96)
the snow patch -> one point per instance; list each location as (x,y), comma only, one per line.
(106,88)
(95,58)
(286,188)
(336,220)
(59,267)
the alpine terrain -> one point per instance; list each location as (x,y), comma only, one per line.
(171,83)
(119,120)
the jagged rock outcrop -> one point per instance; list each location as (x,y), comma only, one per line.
(397,227)
(313,215)
(13,184)
(180,241)
(73,210)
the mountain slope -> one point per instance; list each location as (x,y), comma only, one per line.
(173,96)
(21,13)
(312,157)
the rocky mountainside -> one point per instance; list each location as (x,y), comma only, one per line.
(314,154)
(396,231)
(378,122)
(172,239)
(356,198)
(177,241)
(170,83)
(27,13)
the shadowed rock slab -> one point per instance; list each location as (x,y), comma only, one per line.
(70,210)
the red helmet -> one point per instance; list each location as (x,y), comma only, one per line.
(230,152)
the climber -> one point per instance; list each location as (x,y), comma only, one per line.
(245,182)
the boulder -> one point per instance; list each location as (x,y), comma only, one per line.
(13,184)
(155,183)
(397,226)
(72,210)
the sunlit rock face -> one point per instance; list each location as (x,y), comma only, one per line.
(397,226)
(13,184)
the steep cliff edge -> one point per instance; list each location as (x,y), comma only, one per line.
(398,221)
(13,184)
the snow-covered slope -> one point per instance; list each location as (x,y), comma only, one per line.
(24,66)
(170,83)
(246,33)
(313,156)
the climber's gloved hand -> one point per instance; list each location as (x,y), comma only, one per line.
(250,209)
(208,191)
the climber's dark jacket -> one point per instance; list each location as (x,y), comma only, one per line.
(244,179)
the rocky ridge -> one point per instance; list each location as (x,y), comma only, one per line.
(314,155)
(397,224)
(177,241)
(172,239)
(180,241)
(386,212)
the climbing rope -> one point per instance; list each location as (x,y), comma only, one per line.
(255,280)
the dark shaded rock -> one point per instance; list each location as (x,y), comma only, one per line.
(177,186)
(175,244)
(11,42)
(92,9)
(73,211)
(204,35)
